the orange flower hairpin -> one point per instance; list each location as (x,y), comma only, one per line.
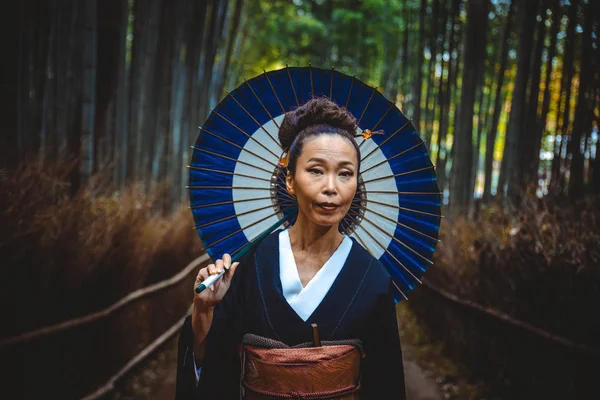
(367,133)
(284,159)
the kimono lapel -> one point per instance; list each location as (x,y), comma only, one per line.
(286,324)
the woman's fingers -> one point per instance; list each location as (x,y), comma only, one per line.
(212,269)
(202,275)
(226,261)
(219,266)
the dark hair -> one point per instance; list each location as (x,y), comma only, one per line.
(318,116)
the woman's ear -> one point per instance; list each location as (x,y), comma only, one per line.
(289,183)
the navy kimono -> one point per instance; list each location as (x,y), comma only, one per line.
(359,305)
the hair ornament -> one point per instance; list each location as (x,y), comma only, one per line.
(367,133)
(284,159)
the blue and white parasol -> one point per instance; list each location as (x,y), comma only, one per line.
(237,188)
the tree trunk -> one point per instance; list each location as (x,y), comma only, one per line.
(460,197)
(231,40)
(48,114)
(110,17)
(557,177)
(89,92)
(216,27)
(541,127)
(584,111)
(433,46)
(418,62)
(123,104)
(166,56)
(445,95)
(147,116)
(483,108)
(68,44)
(405,60)
(528,158)
(12,23)
(233,77)
(190,120)
(509,181)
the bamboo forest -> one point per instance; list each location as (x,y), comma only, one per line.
(103,103)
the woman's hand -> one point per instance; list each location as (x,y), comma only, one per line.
(208,298)
(205,301)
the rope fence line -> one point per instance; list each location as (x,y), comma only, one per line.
(109,386)
(131,297)
(510,320)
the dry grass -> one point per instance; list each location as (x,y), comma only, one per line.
(539,264)
(65,256)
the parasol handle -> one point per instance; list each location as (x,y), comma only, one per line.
(244,250)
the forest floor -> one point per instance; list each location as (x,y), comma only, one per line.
(428,374)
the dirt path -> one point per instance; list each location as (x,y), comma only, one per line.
(420,385)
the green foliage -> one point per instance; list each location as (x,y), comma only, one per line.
(356,37)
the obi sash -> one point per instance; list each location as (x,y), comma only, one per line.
(274,370)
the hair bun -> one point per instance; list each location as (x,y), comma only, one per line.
(319,110)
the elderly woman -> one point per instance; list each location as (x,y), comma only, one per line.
(297,278)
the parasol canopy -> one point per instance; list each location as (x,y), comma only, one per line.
(237,188)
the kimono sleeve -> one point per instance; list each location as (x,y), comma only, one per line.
(220,370)
(383,372)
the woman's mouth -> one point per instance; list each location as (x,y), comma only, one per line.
(329,207)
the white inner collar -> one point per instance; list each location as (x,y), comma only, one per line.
(304,300)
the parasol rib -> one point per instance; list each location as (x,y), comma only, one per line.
(240,230)
(396,239)
(230,159)
(261,103)
(392,157)
(227,173)
(400,174)
(398,207)
(274,92)
(350,91)
(404,226)
(287,195)
(244,132)
(331,84)
(366,106)
(292,84)
(403,193)
(391,255)
(236,215)
(312,89)
(385,141)
(255,121)
(222,203)
(365,246)
(377,124)
(240,147)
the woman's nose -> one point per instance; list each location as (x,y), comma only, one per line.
(330,185)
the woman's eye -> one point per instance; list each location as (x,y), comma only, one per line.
(346,174)
(314,171)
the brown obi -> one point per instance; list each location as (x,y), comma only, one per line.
(273,370)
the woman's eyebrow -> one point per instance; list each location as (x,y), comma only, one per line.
(323,161)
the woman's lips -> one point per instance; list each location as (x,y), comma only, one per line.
(328,206)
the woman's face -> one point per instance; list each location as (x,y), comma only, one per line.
(325,180)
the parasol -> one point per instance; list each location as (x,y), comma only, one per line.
(237,188)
